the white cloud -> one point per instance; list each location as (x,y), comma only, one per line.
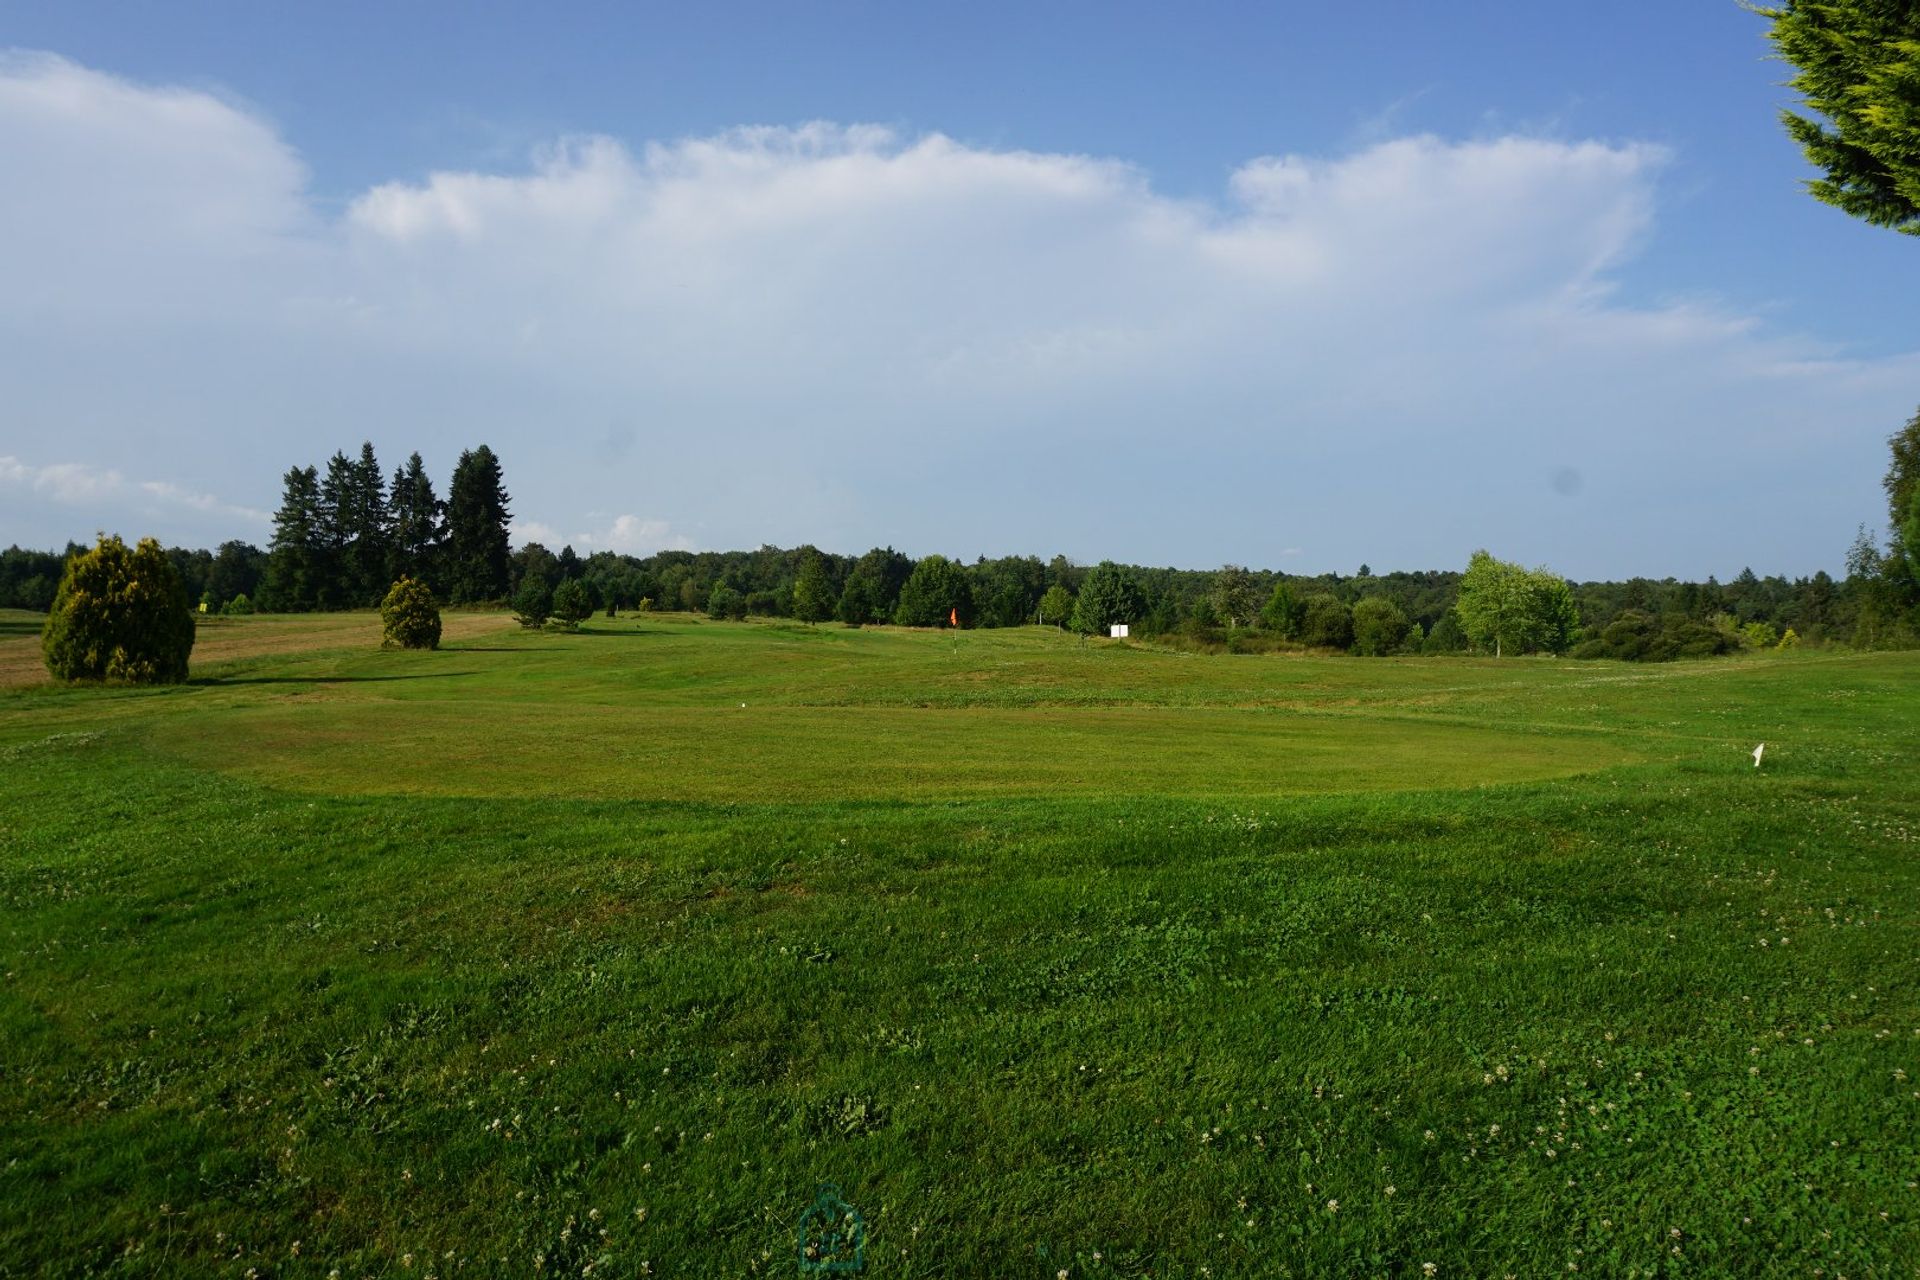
(106,491)
(631,535)
(525,531)
(625,534)
(846,336)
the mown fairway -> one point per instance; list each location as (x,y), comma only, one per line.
(543,953)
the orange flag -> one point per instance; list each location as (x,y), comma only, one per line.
(953,616)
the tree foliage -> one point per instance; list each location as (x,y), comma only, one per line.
(1056,603)
(1858,68)
(294,567)
(1326,621)
(119,614)
(935,592)
(1006,591)
(1378,627)
(1109,594)
(1508,607)
(1235,597)
(368,550)
(572,604)
(873,586)
(416,524)
(813,595)
(1281,613)
(410,616)
(1902,483)
(1639,637)
(533,602)
(477,516)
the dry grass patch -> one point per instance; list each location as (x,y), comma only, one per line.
(235,639)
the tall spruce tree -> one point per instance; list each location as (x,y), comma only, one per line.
(292,580)
(415,525)
(366,553)
(334,525)
(477,516)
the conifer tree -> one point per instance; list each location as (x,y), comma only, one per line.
(119,615)
(292,580)
(477,515)
(415,523)
(1858,64)
(367,538)
(333,524)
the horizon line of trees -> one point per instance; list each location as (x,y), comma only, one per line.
(343,536)
(1234,607)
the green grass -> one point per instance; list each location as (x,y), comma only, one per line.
(1107,960)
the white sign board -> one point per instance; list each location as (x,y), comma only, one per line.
(1118,631)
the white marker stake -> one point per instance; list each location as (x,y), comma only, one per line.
(1756,754)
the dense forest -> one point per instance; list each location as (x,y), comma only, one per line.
(343,534)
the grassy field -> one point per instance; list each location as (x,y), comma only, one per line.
(597,954)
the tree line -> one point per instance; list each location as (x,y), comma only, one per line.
(343,535)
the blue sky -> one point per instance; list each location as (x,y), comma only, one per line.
(1300,286)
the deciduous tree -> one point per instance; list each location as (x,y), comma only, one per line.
(1108,595)
(725,602)
(935,592)
(813,598)
(1326,621)
(1281,613)
(1515,608)
(1235,596)
(1055,605)
(874,586)
(1378,627)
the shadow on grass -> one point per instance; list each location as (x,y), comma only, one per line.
(424,675)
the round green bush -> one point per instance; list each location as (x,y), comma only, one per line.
(410,617)
(572,605)
(1378,627)
(1326,622)
(532,603)
(119,615)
